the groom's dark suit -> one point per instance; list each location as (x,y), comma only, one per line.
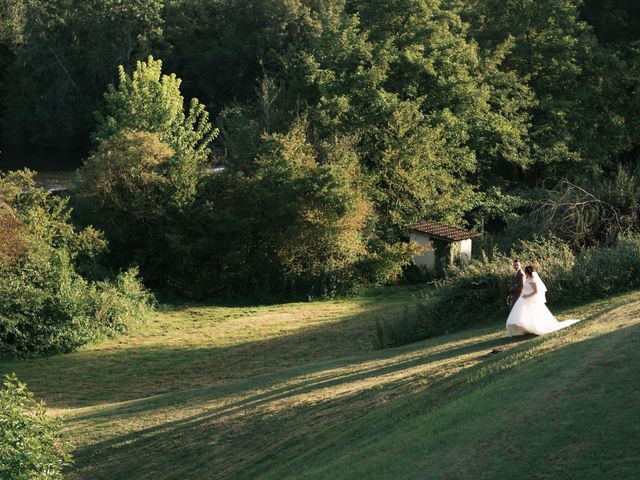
(517,283)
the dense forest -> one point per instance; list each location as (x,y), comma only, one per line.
(337,123)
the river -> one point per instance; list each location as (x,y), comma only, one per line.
(54,167)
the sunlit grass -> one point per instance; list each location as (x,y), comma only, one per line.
(298,391)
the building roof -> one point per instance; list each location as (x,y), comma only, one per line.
(442,231)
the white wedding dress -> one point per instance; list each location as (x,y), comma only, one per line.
(531,315)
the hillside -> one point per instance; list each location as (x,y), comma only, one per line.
(297,391)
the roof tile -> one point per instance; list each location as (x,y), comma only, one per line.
(442,231)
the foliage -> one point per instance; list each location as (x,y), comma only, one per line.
(125,190)
(149,101)
(403,79)
(140,183)
(600,272)
(12,20)
(30,443)
(580,122)
(45,304)
(454,111)
(294,223)
(12,244)
(224,47)
(313,213)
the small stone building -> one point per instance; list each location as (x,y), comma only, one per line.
(441,244)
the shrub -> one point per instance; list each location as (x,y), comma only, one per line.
(555,261)
(46,305)
(121,303)
(30,445)
(124,189)
(601,272)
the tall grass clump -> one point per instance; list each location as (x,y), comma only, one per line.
(478,292)
(46,304)
(30,443)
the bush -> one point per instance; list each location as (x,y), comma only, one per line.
(478,293)
(604,271)
(124,189)
(30,445)
(469,293)
(46,305)
(555,261)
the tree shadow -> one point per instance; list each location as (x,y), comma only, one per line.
(263,433)
(265,372)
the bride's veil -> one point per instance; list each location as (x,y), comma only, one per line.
(542,288)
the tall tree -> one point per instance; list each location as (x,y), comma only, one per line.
(578,119)
(149,101)
(143,178)
(363,72)
(222,47)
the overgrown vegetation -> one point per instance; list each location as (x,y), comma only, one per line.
(340,122)
(477,293)
(451,111)
(31,447)
(48,300)
(294,221)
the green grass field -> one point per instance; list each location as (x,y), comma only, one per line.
(298,391)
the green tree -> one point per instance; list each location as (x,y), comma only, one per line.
(141,183)
(426,107)
(149,101)
(314,212)
(12,20)
(297,223)
(416,175)
(580,90)
(236,41)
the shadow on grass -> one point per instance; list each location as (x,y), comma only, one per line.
(264,436)
(539,395)
(318,381)
(178,438)
(98,376)
(204,375)
(170,436)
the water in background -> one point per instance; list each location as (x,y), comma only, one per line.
(54,167)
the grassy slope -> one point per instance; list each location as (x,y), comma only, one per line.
(297,391)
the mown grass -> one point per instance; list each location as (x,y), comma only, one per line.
(297,391)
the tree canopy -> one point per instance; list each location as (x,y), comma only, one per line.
(463,112)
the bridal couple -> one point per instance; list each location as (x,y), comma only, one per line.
(529,314)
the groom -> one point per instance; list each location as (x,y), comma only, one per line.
(517,282)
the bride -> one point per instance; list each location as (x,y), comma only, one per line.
(530,314)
